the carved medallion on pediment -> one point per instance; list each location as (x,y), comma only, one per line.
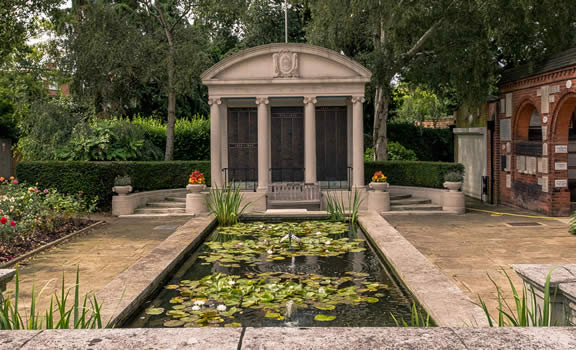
(285,64)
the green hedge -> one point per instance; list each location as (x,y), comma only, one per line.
(410,173)
(429,144)
(97,178)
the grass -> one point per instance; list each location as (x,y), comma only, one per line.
(525,312)
(226,204)
(85,315)
(336,206)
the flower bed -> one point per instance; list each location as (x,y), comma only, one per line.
(31,216)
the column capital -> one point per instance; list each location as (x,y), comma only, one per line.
(310,99)
(262,100)
(214,100)
(357,99)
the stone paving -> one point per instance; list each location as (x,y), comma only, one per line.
(468,247)
(101,254)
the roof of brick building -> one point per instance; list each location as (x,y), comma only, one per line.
(562,60)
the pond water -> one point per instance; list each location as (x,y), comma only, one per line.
(287,274)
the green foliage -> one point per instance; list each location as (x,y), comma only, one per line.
(26,209)
(453,176)
(418,104)
(97,178)
(226,204)
(8,121)
(85,315)
(398,152)
(572,228)
(341,209)
(428,144)
(525,312)
(122,180)
(406,173)
(418,318)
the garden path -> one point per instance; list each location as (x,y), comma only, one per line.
(468,247)
(101,254)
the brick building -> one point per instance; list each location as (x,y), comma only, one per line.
(535,136)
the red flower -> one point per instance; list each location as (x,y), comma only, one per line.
(3,220)
(15,182)
(12,223)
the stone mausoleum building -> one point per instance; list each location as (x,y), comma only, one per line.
(520,149)
(287,113)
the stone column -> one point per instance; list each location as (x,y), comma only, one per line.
(310,140)
(215,143)
(263,144)
(358,142)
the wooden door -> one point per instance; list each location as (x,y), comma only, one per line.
(331,144)
(287,144)
(242,144)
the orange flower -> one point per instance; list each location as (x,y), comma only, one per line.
(2,179)
(379,177)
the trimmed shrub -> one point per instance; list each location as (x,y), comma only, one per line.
(97,178)
(408,173)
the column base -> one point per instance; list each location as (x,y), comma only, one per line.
(379,201)
(454,202)
(262,189)
(196,203)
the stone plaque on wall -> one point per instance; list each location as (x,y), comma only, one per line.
(509,105)
(502,106)
(561,183)
(544,133)
(543,165)
(531,165)
(505,130)
(521,163)
(544,102)
(544,149)
(561,166)
(561,149)
(508,147)
(508,181)
(509,163)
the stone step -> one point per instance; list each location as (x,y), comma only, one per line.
(416,207)
(410,201)
(394,197)
(167,204)
(160,211)
(176,199)
(158,215)
(417,212)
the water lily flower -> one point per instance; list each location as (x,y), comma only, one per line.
(231,282)
(261,226)
(270,252)
(221,308)
(328,242)
(195,308)
(318,233)
(199,302)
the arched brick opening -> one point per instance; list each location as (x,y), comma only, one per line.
(563,155)
(526,112)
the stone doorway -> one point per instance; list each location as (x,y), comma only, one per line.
(242,145)
(287,144)
(331,144)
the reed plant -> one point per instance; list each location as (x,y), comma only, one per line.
(226,204)
(418,318)
(525,311)
(340,208)
(85,315)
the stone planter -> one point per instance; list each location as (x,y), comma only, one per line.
(122,190)
(195,188)
(453,186)
(379,186)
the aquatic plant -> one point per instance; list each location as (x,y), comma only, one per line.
(218,298)
(226,204)
(525,311)
(337,206)
(572,227)
(418,318)
(78,315)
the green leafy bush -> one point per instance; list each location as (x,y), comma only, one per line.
(453,176)
(97,178)
(408,173)
(398,152)
(428,144)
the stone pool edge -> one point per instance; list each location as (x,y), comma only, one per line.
(294,338)
(446,304)
(127,292)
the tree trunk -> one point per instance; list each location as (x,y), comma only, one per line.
(169,155)
(381,106)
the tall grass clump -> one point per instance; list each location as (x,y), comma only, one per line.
(418,318)
(572,227)
(226,204)
(340,208)
(525,311)
(78,315)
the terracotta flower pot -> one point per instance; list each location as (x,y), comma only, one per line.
(379,186)
(453,186)
(122,190)
(195,188)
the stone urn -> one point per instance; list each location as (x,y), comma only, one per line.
(195,188)
(379,186)
(122,190)
(453,186)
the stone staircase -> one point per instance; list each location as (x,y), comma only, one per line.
(406,204)
(171,206)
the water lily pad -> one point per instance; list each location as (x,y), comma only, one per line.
(326,307)
(174,323)
(371,300)
(172,286)
(233,325)
(324,318)
(272,315)
(155,311)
